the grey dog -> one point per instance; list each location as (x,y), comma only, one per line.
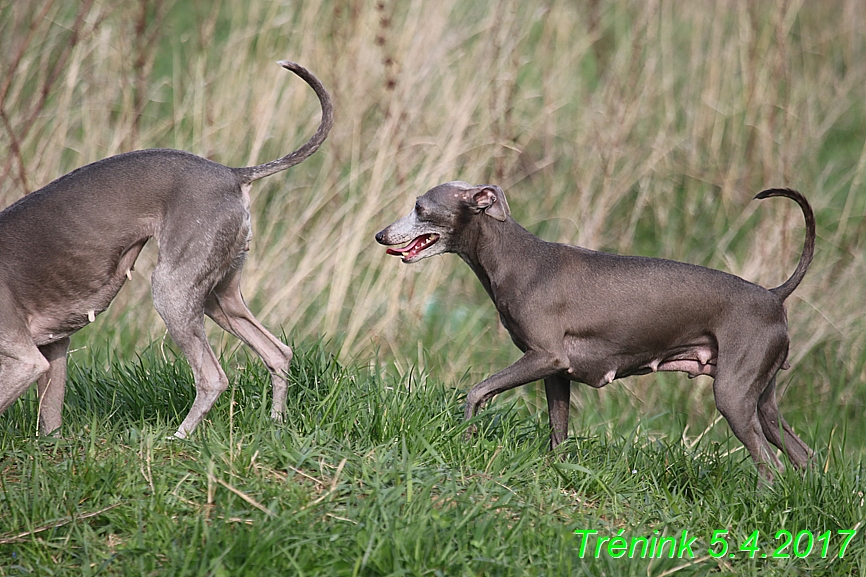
(592,317)
(66,250)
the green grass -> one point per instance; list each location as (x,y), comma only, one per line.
(371,475)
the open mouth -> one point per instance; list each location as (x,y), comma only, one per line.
(412,249)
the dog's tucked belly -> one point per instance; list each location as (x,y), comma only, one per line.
(76,305)
(598,366)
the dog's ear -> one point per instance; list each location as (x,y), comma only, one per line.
(491,200)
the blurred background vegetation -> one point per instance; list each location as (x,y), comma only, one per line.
(635,127)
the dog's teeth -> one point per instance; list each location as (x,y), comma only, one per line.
(91,316)
(129,274)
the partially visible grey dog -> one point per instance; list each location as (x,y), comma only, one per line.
(66,249)
(591,317)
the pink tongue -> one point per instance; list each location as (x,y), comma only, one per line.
(408,248)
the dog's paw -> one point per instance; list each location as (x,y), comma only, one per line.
(279,417)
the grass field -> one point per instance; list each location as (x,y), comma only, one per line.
(635,127)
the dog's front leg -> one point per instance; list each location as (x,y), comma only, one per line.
(532,366)
(557,389)
(51,386)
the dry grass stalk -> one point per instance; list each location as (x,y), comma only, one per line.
(636,127)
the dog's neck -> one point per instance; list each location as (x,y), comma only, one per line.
(503,255)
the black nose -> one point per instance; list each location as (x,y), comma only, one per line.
(380,237)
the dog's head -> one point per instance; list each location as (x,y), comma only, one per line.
(440,217)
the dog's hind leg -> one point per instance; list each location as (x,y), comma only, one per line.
(18,370)
(742,375)
(742,416)
(778,431)
(52,387)
(20,366)
(558,391)
(21,362)
(180,304)
(225,305)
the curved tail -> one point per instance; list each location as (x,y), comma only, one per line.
(784,290)
(250,173)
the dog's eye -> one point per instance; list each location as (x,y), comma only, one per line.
(418,208)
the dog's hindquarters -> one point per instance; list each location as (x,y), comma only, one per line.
(68,248)
(186,272)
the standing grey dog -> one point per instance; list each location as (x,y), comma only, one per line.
(591,317)
(66,250)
